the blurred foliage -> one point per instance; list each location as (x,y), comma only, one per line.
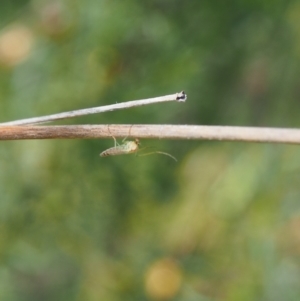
(222,224)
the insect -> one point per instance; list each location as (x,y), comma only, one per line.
(128,147)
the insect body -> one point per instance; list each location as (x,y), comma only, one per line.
(128,147)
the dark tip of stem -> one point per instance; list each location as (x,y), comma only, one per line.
(181,96)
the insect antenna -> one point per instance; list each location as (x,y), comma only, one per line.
(161,153)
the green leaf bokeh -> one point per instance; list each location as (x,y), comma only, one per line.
(222,223)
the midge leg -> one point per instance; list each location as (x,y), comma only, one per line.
(128,134)
(160,153)
(124,139)
(127,147)
(115,140)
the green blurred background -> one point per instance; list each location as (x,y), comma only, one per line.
(221,224)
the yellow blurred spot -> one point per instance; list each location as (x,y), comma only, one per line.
(15,45)
(163,279)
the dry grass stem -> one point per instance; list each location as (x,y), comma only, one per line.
(195,132)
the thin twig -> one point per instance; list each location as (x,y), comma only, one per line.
(181,97)
(195,132)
